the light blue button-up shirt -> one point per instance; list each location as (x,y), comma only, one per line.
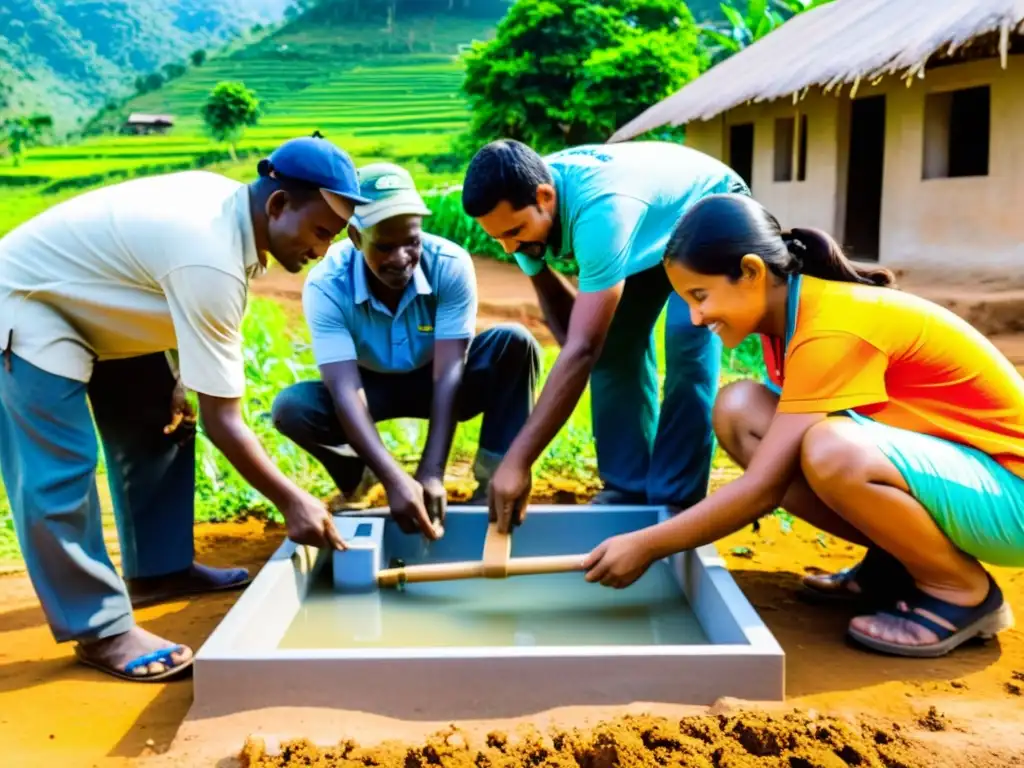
(347,322)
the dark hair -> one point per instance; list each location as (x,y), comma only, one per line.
(301,192)
(715,234)
(503,170)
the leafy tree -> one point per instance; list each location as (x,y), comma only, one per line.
(198,57)
(740,29)
(154,81)
(173,70)
(23,132)
(228,110)
(569,72)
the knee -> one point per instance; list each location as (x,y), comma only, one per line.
(734,412)
(289,411)
(520,346)
(831,460)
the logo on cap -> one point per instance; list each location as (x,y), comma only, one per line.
(390,181)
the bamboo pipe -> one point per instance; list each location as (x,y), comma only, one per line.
(476,569)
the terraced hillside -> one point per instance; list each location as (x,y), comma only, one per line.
(355,86)
(398,106)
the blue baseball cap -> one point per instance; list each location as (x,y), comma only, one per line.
(319,162)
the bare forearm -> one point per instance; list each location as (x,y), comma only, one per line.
(726,511)
(233,438)
(441,431)
(556,297)
(561,394)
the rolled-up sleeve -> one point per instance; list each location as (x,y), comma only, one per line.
(207,306)
(331,338)
(457,299)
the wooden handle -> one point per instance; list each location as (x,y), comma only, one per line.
(497,550)
(520,566)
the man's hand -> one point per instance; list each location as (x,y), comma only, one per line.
(508,493)
(181,409)
(435,498)
(619,561)
(408,506)
(310,523)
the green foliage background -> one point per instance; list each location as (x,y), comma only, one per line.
(578,69)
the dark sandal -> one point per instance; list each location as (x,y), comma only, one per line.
(983,621)
(880,576)
(163,656)
(242,579)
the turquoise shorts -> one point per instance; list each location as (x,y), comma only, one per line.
(977,502)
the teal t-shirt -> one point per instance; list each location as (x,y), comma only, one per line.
(619,203)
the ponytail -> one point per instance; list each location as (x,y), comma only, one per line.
(817,254)
(717,232)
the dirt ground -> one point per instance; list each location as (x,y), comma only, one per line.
(844,706)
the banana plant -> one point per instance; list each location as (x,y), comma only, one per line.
(742,28)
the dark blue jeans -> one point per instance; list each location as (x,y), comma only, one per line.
(657,455)
(499,382)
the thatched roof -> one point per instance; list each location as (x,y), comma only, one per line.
(846,41)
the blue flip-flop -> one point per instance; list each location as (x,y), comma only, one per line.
(983,621)
(163,655)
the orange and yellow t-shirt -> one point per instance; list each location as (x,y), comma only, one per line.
(903,361)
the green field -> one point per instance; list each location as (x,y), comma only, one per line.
(403,112)
(373,99)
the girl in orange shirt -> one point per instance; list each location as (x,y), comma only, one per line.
(894,425)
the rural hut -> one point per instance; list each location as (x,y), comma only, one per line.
(894,124)
(141,123)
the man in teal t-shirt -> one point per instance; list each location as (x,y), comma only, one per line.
(612,208)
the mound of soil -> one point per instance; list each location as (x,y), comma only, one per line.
(747,740)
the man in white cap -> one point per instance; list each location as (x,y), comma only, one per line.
(392,313)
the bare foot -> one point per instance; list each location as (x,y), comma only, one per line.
(892,629)
(119,651)
(194,580)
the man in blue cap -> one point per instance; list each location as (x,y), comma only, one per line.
(392,313)
(111,305)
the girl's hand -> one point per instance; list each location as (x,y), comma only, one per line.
(619,561)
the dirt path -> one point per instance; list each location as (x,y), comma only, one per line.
(505,295)
(56,713)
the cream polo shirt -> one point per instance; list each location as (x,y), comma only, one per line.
(149,265)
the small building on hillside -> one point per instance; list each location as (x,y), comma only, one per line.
(141,123)
(895,125)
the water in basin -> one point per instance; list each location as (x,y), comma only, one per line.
(544,610)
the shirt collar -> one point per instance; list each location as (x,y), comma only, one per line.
(360,289)
(250,258)
(419,285)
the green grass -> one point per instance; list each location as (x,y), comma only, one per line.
(278,354)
